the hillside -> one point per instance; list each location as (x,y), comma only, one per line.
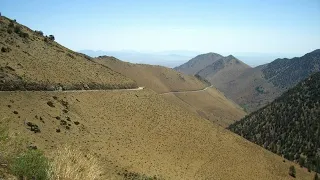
(139,132)
(223,71)
(175,86)
(210,104)
(157,78)
(198,63)
(290,125)
(253,88)
(31,61)
(285,73)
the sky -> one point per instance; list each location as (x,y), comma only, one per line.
(221,26)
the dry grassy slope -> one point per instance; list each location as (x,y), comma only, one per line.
(142,132)
(223,71)
(32,60)
(210,104)
(157,78)
(197,63)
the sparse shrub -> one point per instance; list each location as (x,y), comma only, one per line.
(5,49)
(51,37)
(11,24)
(127,175)
(17,29)
(31,164)
(39,32)
(50,103)
(292,171)
(68,163)
(9,31)
(24,35)
(70,55)
(302,161)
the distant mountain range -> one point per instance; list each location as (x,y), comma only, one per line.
(252,88)
(290,125)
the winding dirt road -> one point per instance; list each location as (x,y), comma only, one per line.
(187,91)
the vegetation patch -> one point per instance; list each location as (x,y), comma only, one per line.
(31,164)
(202,79)
(289,126)
(259,89)
(127,175)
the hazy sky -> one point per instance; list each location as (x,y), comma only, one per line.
(271,26)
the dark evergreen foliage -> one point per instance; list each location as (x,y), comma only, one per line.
(288,72)
(290,125)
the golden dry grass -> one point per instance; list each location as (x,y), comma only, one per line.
(35,61)
(141,132)
(71,164)
(210,104)
(158,78)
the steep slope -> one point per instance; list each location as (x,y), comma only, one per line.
(209,104)
(285,73)
(31,61)
(157,78)
(140,132)
(223,71)
(256,87)
(290,125)
(198,63)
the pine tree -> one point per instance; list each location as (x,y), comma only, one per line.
(292,171)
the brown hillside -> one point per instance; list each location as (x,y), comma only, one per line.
(198,63)
(31,61)
(157,78)
(210,104)
(141,132)
(223,71)
(254,88)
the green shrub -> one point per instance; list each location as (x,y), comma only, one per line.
(31,164)
(292,171)
(51,37)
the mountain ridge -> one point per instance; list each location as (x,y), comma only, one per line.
(253,88)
